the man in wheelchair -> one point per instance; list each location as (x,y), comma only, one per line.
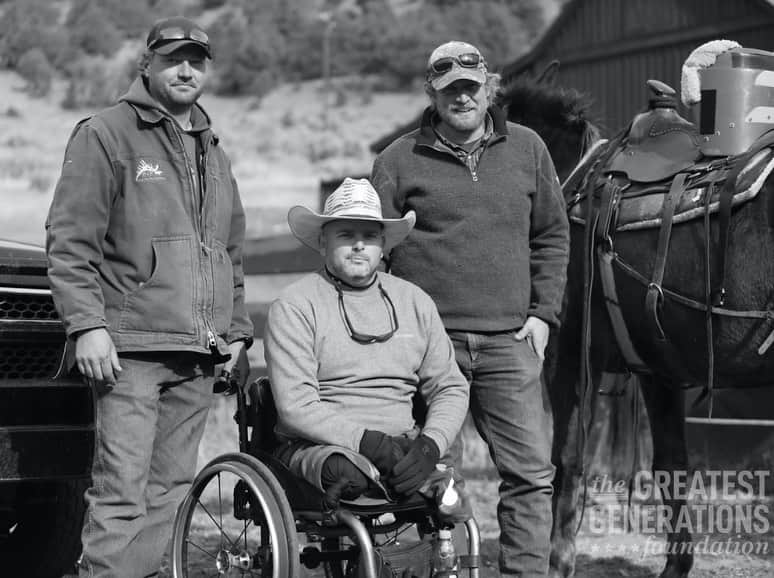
(348,348)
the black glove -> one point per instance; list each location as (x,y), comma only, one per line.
(411,471)
(341,479)
(383,451)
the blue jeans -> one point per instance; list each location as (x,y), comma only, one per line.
(510,408)
(148,428)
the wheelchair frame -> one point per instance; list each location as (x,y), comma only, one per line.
(277,505)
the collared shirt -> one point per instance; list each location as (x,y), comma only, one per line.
(469,153)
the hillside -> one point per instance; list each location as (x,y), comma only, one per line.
(280,145)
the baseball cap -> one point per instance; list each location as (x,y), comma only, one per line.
(169,34)
(453,61)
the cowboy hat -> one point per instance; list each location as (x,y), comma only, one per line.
(353,200)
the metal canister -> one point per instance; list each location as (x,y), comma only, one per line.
(737,101)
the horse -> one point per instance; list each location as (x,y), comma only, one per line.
(670,277)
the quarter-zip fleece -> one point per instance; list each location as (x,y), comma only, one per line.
(490,246)
(135,244)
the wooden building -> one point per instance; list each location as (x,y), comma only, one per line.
(609,48)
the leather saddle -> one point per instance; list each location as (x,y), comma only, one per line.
(658,145)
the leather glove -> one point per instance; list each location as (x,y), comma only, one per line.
(383,451)
(341,479)
(410,472)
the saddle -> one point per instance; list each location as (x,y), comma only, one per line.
(653,175)
(657,146)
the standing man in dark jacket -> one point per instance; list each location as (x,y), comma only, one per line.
(144,241)
(490,246)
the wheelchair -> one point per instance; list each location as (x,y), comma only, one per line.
(245,510)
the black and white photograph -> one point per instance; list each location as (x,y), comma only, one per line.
(386,288)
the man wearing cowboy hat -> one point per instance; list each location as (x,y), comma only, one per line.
(347,347)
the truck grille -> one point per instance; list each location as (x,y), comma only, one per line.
(31,336)
(29,360)
(27,306)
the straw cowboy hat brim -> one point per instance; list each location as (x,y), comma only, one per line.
(307,225)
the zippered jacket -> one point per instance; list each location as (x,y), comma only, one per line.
(135,245)
(491,241)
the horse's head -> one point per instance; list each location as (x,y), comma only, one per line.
(561,116)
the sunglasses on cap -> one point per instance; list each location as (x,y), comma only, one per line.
(178,33)
(467,60)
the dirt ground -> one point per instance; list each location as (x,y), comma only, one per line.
(616,553)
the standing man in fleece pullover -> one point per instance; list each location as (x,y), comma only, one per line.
(490,246)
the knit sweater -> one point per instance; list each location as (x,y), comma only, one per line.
(491,245)
(328,388)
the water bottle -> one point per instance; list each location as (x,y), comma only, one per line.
(444,556)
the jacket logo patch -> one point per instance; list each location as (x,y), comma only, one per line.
(148,172)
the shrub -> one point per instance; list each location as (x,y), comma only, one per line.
(27,24)
(34,67)
(96,82)
(92,31)
(125,19)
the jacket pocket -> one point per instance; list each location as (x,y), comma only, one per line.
(164,303)
(223,286)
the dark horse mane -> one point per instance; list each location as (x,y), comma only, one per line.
(561,116)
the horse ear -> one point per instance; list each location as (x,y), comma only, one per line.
(550,74)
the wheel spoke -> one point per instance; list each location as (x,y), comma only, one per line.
(200,548)
(243,533)
(217,525)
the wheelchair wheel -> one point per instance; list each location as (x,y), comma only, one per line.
(235,521)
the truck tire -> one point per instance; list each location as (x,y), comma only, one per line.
(46,541)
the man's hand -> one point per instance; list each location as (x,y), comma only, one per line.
(234,371)
(383,451)
(238,366)
(536,331)
(96,356)
(410,473)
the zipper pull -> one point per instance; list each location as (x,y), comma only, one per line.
(211,340)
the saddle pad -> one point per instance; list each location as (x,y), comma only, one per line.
(641,204)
